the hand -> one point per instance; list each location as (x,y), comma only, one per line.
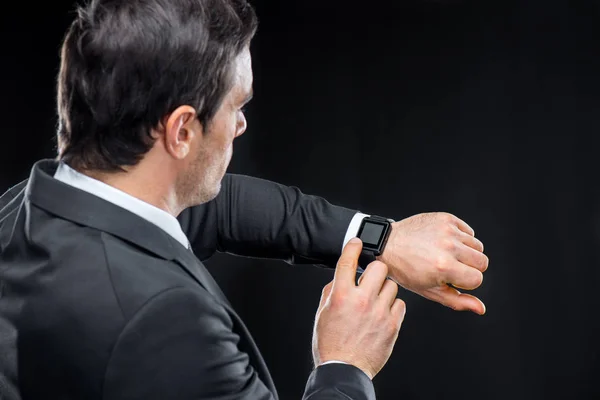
(358,324)
(427,252)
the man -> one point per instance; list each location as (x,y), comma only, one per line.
(103,294)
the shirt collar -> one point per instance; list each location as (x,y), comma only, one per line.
(152,214)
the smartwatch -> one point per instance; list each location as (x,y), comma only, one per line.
(373,232)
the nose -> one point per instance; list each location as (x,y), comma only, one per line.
(241,125)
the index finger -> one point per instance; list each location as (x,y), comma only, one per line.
(345,271)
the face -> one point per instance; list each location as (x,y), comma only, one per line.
(214,148)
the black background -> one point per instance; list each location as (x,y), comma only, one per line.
(485,109)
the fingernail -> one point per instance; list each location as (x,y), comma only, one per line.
(354,240)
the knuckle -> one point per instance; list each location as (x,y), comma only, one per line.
(345,262)
(448,245)
(338,299)
(442,264)
(446,217)
(448,230)
(381,316)
(362,302)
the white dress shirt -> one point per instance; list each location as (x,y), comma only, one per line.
(152,214)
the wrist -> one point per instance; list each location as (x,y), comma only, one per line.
(384,256)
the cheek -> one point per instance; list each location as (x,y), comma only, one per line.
(224,134)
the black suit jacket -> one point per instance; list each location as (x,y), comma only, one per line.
(98,303)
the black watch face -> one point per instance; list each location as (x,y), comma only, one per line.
(372,233)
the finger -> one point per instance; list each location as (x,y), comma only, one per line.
(471,241)
(388,293)
(450,297)
(325,294)
(359,280)
(398,311)
(345,271)
(463,226)
(463,276)
(373,278)
(472,258)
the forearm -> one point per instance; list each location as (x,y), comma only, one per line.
(260,218)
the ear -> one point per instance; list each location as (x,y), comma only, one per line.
(180,129)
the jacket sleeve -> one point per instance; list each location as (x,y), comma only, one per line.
(254,217)
(181,345)
(339,381)
(11,194)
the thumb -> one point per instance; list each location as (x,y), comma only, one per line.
(345,271)
(450,297)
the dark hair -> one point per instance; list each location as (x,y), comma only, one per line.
(126,64)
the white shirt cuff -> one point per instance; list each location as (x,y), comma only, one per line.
(353,227)
(334,362)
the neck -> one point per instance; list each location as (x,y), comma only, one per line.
(144,181)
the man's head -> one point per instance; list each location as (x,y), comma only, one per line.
(159,85)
